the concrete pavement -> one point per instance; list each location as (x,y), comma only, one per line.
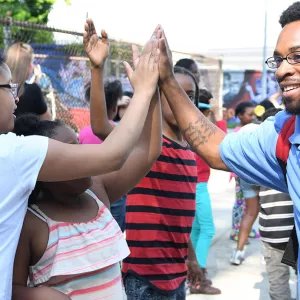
(248,281)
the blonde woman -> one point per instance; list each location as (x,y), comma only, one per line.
(19,58)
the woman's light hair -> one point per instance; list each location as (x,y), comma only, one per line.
(19,58)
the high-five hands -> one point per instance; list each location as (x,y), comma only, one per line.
(165,60)
(145,76)
(154,65)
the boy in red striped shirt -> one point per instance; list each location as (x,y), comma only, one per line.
(159,215)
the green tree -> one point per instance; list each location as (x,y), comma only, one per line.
(34,11)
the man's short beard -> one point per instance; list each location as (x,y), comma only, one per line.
(292,107)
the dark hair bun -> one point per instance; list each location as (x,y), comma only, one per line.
(27,124)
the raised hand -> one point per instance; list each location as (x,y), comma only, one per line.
(165,60)
(145,76)
(156,35)
(96,49)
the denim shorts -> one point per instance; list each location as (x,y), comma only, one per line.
(249,190)
(118,211)
(138,289)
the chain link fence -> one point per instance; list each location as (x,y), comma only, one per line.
(65,67)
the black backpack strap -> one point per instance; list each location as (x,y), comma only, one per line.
(290,256)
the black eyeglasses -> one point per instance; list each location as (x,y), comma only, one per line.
(274,62)
(13,88)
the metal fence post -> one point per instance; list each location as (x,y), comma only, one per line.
(220,96)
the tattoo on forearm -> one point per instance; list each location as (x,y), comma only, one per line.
(198,132)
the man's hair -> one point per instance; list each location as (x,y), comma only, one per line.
(112,90)
(184,71)
(241,108)
(270,112)
(185,63)
(205,96)
(267,104)
(291,14)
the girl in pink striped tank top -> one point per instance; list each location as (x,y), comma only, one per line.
(70,245)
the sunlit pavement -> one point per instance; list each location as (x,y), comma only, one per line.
(247,281)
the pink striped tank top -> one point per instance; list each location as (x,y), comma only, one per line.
(82,259)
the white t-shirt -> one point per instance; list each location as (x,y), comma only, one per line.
(20,161)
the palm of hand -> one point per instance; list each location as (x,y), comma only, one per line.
(97,50)
(166,62)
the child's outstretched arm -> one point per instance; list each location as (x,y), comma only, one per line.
(67,162)
(146,150)
(97,51)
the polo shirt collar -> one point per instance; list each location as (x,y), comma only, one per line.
(295,138)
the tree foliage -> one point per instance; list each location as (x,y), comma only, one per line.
(34,11)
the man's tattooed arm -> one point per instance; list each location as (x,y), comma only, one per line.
(202,135)
(205,138)
(198,132)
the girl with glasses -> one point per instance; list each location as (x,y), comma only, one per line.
(24,160)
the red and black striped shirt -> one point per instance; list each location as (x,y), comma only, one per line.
(159,216)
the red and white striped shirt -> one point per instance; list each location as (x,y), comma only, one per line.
(159,216)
